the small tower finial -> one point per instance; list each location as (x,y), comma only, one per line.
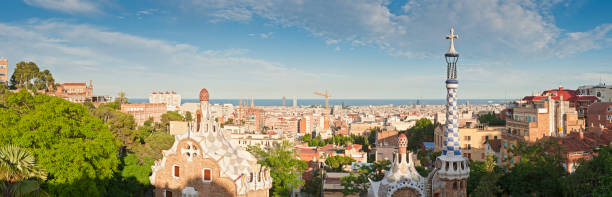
(452,36)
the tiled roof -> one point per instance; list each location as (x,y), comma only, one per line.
(495,144)
(573,142)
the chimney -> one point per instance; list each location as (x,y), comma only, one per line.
(90,83)
(560,87)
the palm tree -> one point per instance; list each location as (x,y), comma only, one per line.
(19,173)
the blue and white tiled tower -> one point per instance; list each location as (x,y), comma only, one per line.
(451,144)
(449,178)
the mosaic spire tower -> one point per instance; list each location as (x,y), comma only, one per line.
(451,134)
(449,178)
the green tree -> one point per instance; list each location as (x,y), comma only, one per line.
(592,177)
(121,98)
(122,125)
(488,186)
(542,159)
(188,116)
(24,74)
(313,186)
(19,173)
(27,75)
(286,167)
(422,131)
(77,149)
(335,163)
(358,182)
(491,119)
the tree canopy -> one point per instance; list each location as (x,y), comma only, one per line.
(358,183)
(335,163)
(27,75)
(491,119)
(286,167)
(76,148)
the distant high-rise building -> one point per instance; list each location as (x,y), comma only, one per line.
(294,101)
(171,99)
(284,102)
(4,71)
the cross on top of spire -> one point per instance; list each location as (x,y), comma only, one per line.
(452,36)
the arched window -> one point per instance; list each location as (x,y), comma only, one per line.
(455,185)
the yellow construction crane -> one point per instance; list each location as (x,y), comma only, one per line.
(326,95)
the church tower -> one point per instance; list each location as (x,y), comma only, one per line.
(449,178)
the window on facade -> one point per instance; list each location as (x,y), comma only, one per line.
(167,193)
(482,156)
(486,137)
(207,175)
(526,132)
(505,144)
(259,177)
(469,147)
(610,109)
(251,178)
(494,137)
(455,185)
(175,171)
(609,117)
(598,94)
(468,138)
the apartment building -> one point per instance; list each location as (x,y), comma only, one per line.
(472,140)
(143,111)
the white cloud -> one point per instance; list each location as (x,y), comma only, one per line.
(331,41)
(488,28)
(146,12)
(265,35)
(118,61)
(577,42)
(69,6)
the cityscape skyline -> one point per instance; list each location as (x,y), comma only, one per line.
(270,49)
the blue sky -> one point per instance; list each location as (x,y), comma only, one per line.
(275,48)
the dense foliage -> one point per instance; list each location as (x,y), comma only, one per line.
(422,131)
(335,163)
(19,174)
(491,120)
(27,75)
(313,186)
(286,167)
(77,149)
(358,183)
(592,177)
(484,177)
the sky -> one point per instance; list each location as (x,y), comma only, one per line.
(274,48)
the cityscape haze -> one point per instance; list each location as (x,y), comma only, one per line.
(303,98)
